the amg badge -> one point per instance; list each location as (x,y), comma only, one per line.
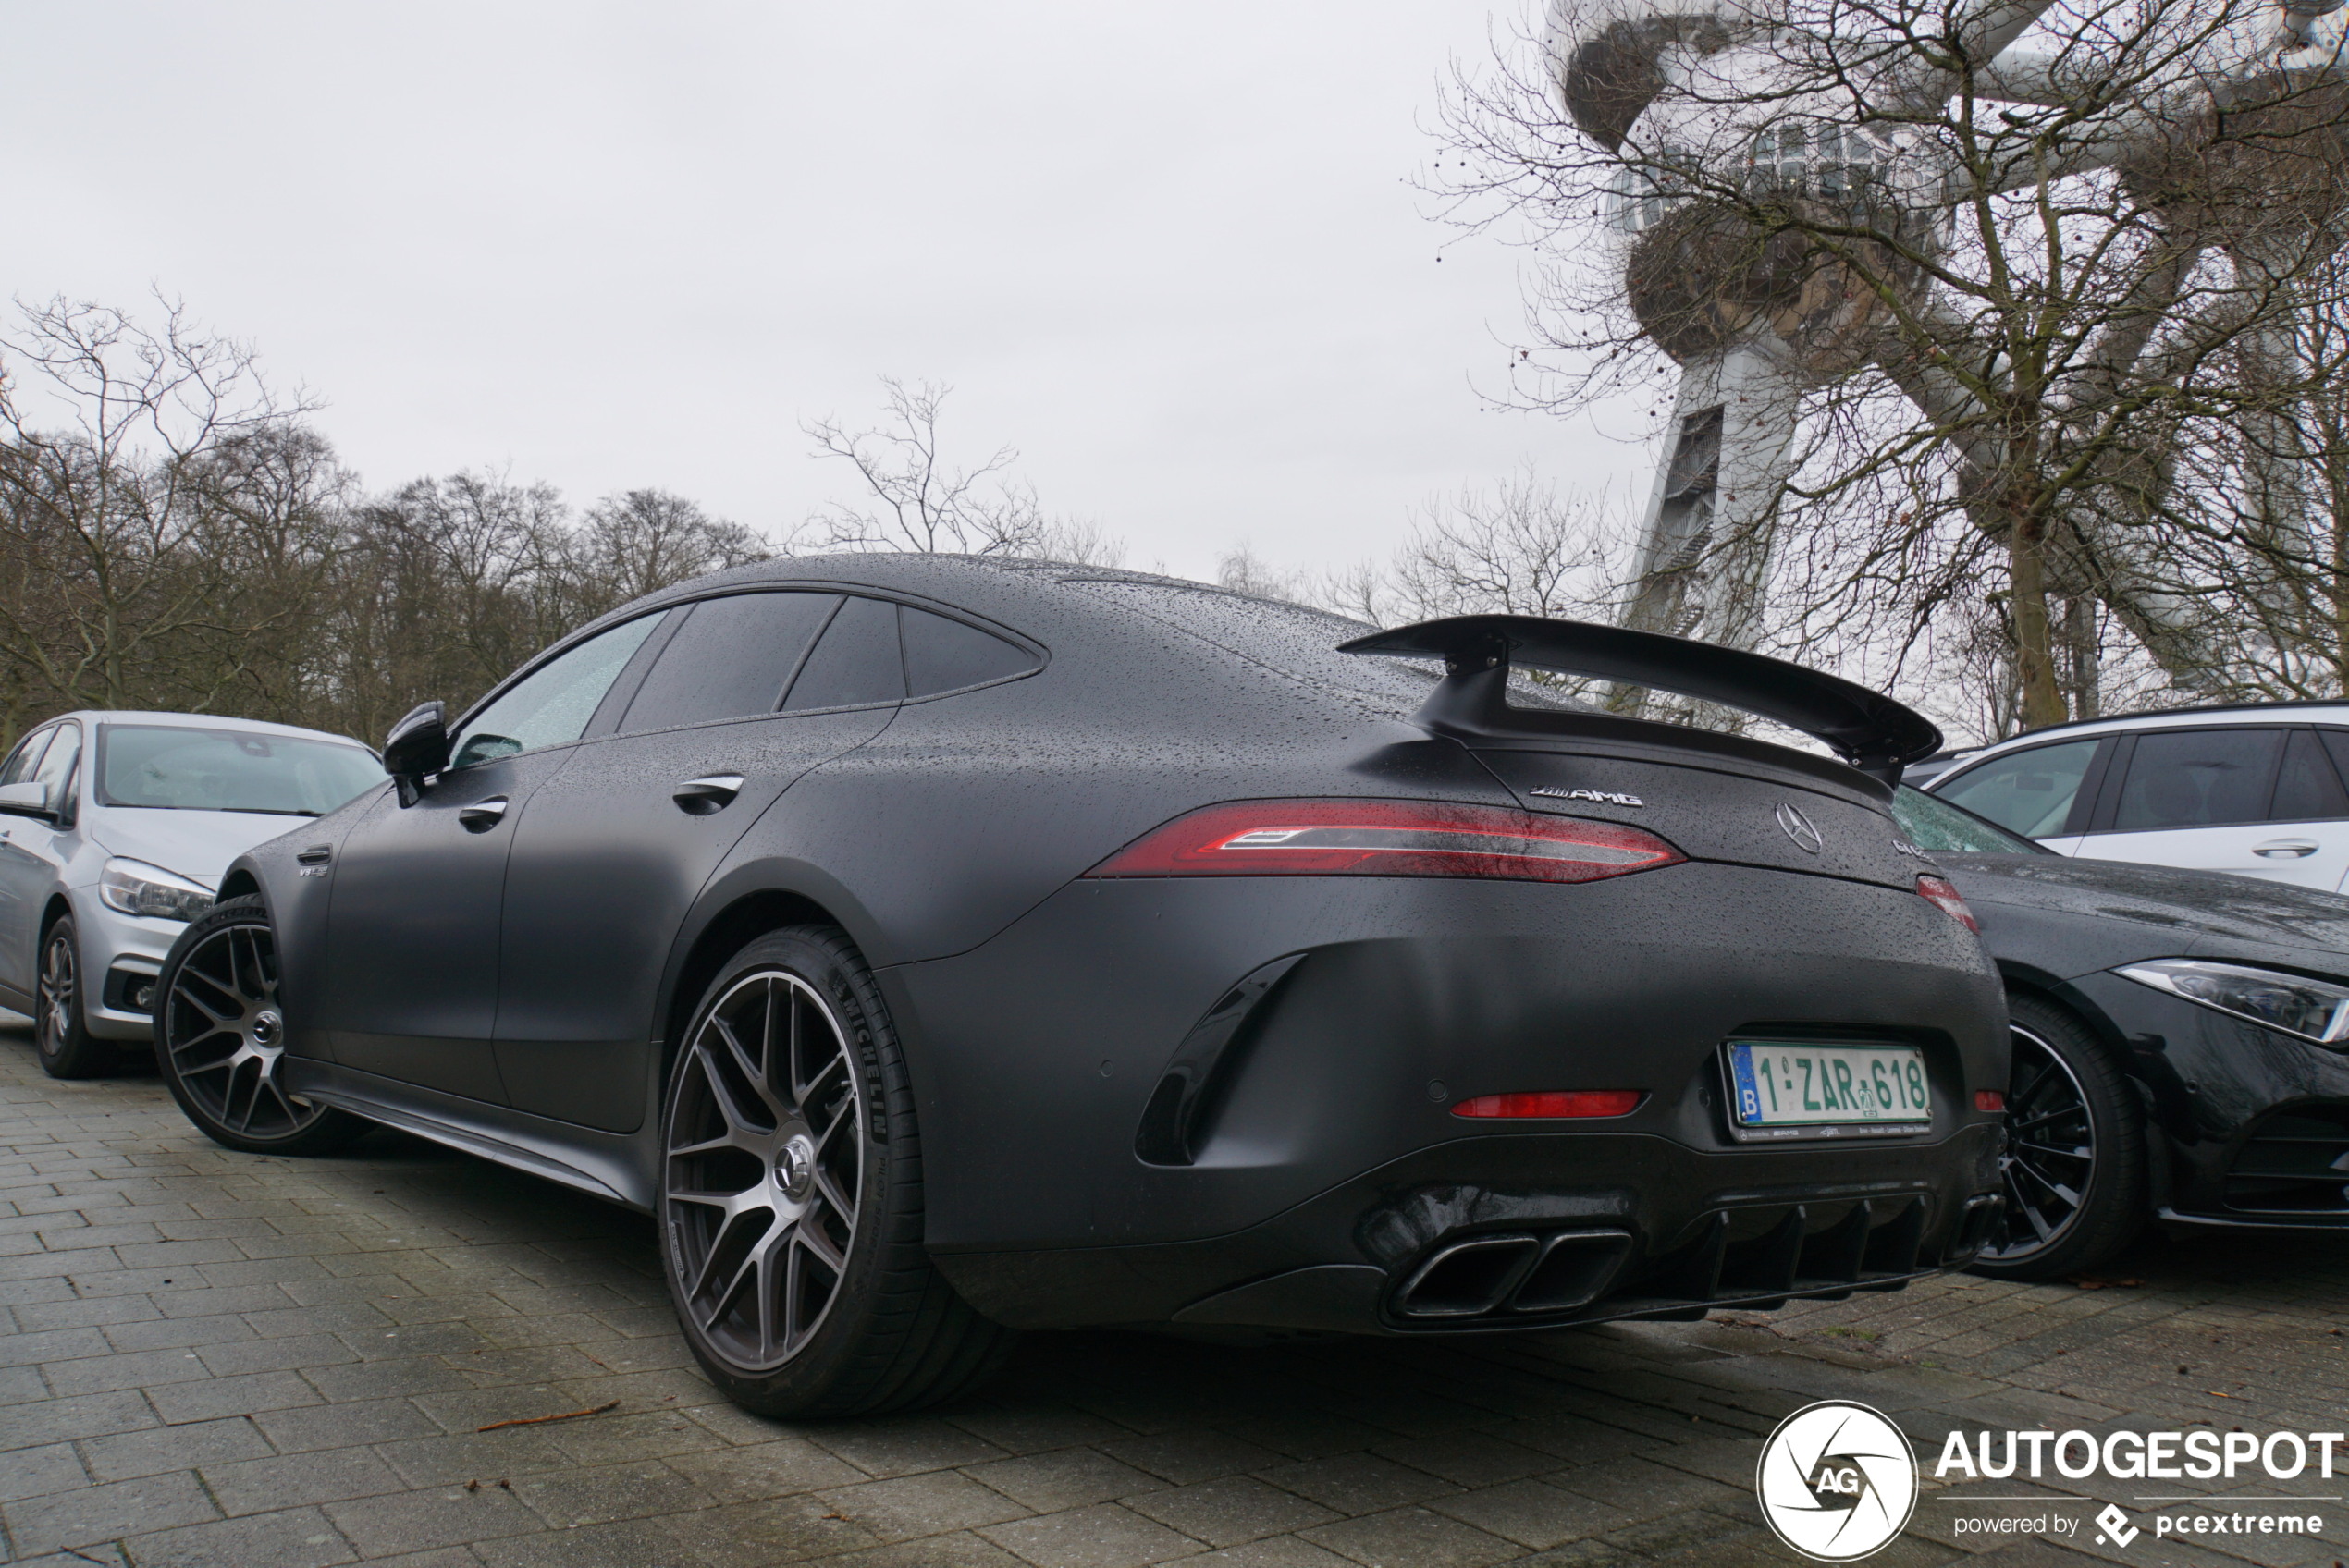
(1602,797)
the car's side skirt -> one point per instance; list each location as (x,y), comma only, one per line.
(609,1165)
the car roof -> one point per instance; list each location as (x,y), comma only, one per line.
(204,721)
(2312,712)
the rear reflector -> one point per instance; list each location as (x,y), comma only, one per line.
(1386,838)
(1552,1103)
(1940,892)
(1989,1100)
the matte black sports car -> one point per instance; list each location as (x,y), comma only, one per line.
(942,947)
(2180,1044)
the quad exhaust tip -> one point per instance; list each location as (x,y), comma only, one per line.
(1516,1272)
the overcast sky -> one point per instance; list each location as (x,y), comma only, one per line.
(1170,253)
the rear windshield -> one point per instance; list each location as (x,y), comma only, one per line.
(1291,639)
(1939,827)
(174,768)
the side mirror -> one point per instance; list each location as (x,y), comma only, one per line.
(24,800)
(417,745)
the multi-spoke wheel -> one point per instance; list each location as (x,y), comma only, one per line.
(791,1194)
(2073,1165)
(220,1039)
(67,1047)
(766,1151)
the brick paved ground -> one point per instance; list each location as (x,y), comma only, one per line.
(216,1359)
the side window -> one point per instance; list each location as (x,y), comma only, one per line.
(26,757)
(730,657)
(855,661)
(56,768)
(946,656)
(2198,779)
(2027,792)
(2308,790)
(553,704)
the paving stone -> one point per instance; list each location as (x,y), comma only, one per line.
(574,1496)
(64,1420)
(1412,1538)
(126,1455)
(87,1514)
(1356,1483)
(1104,1536)
(780,1468)
(436,1516)
(1185,1457)
(922,1504)
(1531,1513)
(1231,1510)
(258,1486)
(904,1445)
(318,1425)
(1069,1478)
(299,1538)
(30,1472)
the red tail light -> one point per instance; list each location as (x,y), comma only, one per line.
(1939,890)
(1386,838)
(1554,1103)
(1989,1100)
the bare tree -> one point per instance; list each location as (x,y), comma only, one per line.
(120,485)
(641,541)
(2040,310)
(913,500)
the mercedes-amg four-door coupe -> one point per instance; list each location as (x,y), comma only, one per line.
(944,947)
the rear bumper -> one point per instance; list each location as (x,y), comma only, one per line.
(1532,1232)
(1327,1140)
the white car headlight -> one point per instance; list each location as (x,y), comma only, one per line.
(135,888)
(2314,1010)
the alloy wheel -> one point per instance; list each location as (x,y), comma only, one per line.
(227,1036)
(764,1170)
(2050,1153)
(60,990)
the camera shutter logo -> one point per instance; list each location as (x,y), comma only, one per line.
(1837,1481)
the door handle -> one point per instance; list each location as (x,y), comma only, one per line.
(482,815)
(2286,849)
(708,795)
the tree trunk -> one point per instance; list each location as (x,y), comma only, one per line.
(2034,664)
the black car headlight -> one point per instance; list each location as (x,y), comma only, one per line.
(135,888)
(2294,1004)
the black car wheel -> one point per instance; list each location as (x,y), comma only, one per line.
(68,1048)
(2074,1162)
(791,1205)
(220,1038)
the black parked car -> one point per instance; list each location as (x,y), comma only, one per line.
(942,947)
(2180,1044)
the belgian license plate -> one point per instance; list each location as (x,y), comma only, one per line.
(1785,1089)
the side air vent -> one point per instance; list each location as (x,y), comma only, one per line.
(1181,1111)
(2295,1162)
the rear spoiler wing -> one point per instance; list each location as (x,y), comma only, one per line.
(1866,727)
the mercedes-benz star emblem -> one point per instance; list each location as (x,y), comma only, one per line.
(795,1166)
(1837,1481)
(1798,827)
